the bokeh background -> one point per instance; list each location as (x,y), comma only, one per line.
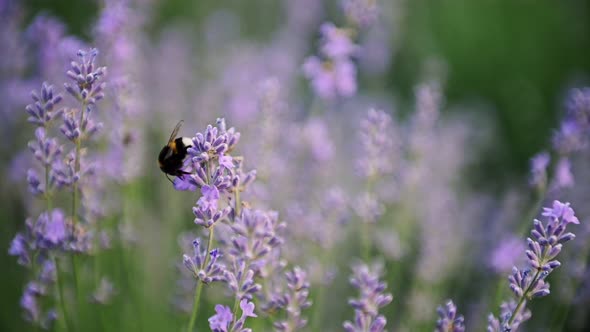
(503,69)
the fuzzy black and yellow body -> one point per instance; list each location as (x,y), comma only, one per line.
(171,158)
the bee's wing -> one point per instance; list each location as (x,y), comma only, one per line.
(175,131)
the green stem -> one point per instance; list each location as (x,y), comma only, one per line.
(365,239)
(238,204)
(318,312)
(76,278)
(198,291)
(62,304)
(47,193)
(237,300)
(522,298)
(235,311)
(366,228)
(199,288)
(530,214)
(75,205)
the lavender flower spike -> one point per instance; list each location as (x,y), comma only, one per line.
(361,12)
(43,109)
(539,165)
(448,320)
(371,299)
(331,79)
(221,320)
(546,242)
(294,301)
(86,76)
(212,272)
(247,311)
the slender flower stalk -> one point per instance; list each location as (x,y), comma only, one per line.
(87,90)
(208,271)
(212,170)
(38,246)
(374,162)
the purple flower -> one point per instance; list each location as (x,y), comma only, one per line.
(209,199)
(247,311)
(247,308)
(368,207)
(360,323)
(214,142)
(221,320)
(318,138)
(336,43)
(561,210)
(86,76)
(507,254)
(29,303)
(331,79)
(294,301)
(209,216)
(539,165)
(377,137)
(372,297)
(48,272)
(544,245)
(226,161)
(185,183)
(42,111)
(361,12)
(563,174)
(256,234)
(35,186)
(240,280)
(212,272)
(578,105)
(570,137)
(506,312)
(448,320)
(71,126)
(65,171)
(19,247)
(46,150)
(50,229)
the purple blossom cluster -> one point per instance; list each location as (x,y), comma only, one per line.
(249,239)
(294,300)
(377,138)
(529,283)
(372,297)
(223,320)
(46,238)
(361,12)
(570,138)
(333,74)
(448,320)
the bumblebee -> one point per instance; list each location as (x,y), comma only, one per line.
(171,158)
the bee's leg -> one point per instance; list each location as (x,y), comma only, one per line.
(169,178)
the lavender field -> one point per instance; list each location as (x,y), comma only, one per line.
(342,165)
